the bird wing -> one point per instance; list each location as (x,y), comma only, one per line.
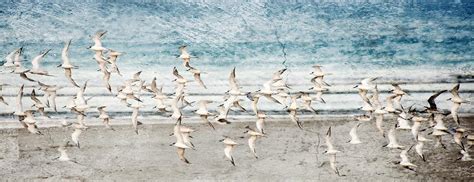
(431,100)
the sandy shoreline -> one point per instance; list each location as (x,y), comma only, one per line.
(285,154)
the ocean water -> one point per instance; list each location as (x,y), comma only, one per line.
(426,45)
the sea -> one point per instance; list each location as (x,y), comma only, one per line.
(424,45)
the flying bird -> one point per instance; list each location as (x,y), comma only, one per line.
(253,136)
(66,64)
(353,133)
(229,146)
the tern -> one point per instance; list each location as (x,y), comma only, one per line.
(179,144)
(267,91)
(331,152)
(31,122)
(292,111)
(253,136)
(63,153)
(50,93)
(458,135)
(378,114)
(254,97)
(184,54)
(405,162)
(457,101)
(97,41)
(417,120)
(392,139)
(78,128)
(330,146)
(36,64)
(37,103)
(135,122)
(19,103)
(113,55)
(204,113)
(196,73)
(366,84)
(10,58)
(389,104)
(403,120)
(104,117)
(419,147)
(229,146)
(260,123)
(307,101)
(353,133)
(66,63)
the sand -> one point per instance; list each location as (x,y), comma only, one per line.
(286,154)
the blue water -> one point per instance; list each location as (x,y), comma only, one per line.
(353,34)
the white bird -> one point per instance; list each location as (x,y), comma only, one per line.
(135,122)
(78,128)
(332,163)
(179,79)
(36,64)
(184,54)
(267,91)
(330,149)
(186,132)
(19,103)
(254,97)
(405,162)
(158,96)
(439,129)
(112,59)
(415,129)
(104,116)
(97,41)
(63,153)
(458,135)
(229,146)
(179,144)
(31,122)
(379,122)
(66,63)
(37,103)
(331,152)
(10,58)
(253,136)
(403,121)
(307,100)
(260,123)
(392,139)
(389,104)
(234,86)
(419,147)
(196,73)
(204,113)
(457,101)
(353,133)
(292,111)
(364,86)
(50,93)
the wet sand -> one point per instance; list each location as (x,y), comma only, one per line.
(286,154)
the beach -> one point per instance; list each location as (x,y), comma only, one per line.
(285,154)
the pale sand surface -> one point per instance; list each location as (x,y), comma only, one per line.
(286,154)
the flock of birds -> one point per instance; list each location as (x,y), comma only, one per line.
(275,90)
